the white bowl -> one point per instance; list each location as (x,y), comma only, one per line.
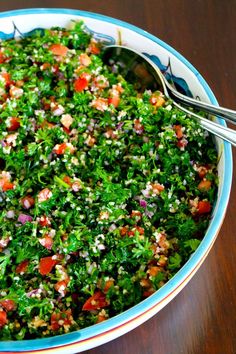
(115,31)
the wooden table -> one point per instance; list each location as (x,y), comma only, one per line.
(202,318)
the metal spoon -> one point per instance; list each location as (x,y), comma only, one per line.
(144,74)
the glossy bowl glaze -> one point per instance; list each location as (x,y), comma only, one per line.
(187,78)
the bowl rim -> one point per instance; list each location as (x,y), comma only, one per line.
(70,340)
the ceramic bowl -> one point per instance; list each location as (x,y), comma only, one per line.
(112,31)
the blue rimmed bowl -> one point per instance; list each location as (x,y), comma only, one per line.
(110,30)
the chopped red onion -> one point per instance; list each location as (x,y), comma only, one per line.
(143,203)
(23,218)
(120,125)
(4,242)
(2,142)
(112,227)
(10,214)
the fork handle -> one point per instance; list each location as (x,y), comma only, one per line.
(214,128)
(227,114)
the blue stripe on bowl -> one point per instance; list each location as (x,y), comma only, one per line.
(184,272)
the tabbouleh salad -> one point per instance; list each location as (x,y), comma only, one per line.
(104,192)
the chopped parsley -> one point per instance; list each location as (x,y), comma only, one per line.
(104,192)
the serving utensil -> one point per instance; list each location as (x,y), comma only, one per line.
(137,68)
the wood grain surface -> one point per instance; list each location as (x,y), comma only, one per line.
(202,318)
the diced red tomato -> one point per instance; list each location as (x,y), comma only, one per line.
(46,264)
(46,104)
(59,319)
(6,77)
(109,283)
(22,267)
(117,88)
(60,149)
(61,285)
(27,202)
(15,92)
(84,59)
(157,187)
(139,229)
(95,302)
(153,100)
(100,104)
(146,283)
(178,131)
(138,127)
(58,49)
(182,143)
(66,120)
(67,179)
(124,231)
(136,213)
(2,58)
(20,83)
(46,242)
(8,305)
(45,66)
(148,293)
(48,125)
(55,69)
(5,184)
(101,82)
(14,124)
(202,171)
(90,141)
(3,98)
(111,134)
(44,195)
(101,318)
(66,130)
(153,271)
(204,185)
(114,100)
(3,318)
(93,48)
(204,207)
(157,100)
(44,221)
(80,84)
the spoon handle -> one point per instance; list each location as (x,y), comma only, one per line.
(214,128)
(227,114)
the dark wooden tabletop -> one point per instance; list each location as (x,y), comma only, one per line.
(202,318)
